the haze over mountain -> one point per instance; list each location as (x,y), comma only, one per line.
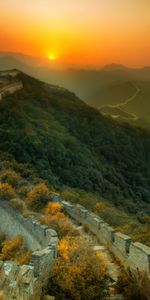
(117,91)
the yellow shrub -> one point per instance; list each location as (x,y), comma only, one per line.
(78,273)
(66,246)
(53,208)
(11,177)
(2,295)
(14,250)
(6,191)
(24,258)
(37,198)
(60,223)
(2,239)
(11,248)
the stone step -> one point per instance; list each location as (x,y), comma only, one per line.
(99,248)
(115,297)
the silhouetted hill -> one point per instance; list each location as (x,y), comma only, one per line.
(70,143)
(113,67)
(110,85)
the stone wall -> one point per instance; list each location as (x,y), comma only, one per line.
(27,281)
(131,254)
(6,73)
(10,88)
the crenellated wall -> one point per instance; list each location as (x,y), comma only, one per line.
(26,282)
(131,254)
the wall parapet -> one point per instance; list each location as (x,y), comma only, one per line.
(25,282)
(131,254)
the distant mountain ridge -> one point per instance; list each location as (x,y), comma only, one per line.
(108,85)
(112,67)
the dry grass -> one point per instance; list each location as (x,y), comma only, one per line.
(134,286)
(2,295)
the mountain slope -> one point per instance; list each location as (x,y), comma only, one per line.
(110,85)
(69,143)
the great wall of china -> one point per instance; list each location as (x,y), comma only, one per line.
(131,254)
(7,86)
(27,282)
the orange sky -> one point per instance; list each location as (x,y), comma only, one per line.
(94,32)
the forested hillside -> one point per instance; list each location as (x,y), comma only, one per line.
(66,142)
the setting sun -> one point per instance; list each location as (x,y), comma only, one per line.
(87,33)
(51,57)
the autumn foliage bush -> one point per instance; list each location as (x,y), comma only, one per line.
(2,295)
(134,286)
(79,273)
(56,219)
(7,192)
(11,177)
(14,249)
(37,198)
(2,239)
(53,208)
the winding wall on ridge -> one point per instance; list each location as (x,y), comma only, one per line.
(9,87)
(26,282)
(131,254)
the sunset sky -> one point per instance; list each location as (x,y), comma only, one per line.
(88,32)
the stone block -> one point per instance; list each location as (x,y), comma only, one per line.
(139,257)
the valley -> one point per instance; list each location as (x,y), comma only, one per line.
(120,110)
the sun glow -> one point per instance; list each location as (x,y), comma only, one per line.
(52,57)
(81,33)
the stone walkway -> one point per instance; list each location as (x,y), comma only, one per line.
(112,268)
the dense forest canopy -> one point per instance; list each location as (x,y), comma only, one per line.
(69,143)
